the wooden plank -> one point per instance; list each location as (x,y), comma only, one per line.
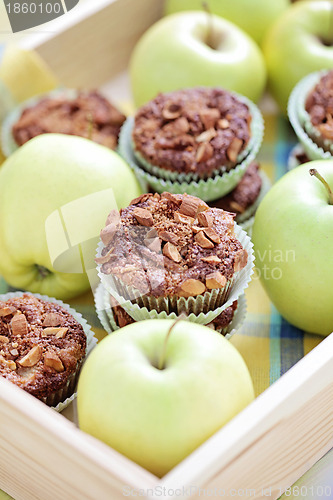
(52,453)
(96,46)
(271,443)
(296,409)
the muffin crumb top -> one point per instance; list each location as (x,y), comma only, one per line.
(88,115)
(196,130)
(41,344)
(170,244)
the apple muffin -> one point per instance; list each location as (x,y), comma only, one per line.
(86,114)
(166,247)
(42,347)
(198,131)
(219,324)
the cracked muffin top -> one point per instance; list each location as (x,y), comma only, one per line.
(196,130)
(168,244)
(41,344)
(88,115)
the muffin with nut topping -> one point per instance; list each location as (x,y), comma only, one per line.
(171,253)
(42,347)
(193,136)
(82,113)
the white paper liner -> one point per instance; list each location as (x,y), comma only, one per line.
(91,341)
(101,308)
(102,300)
(298,117)
(240,283)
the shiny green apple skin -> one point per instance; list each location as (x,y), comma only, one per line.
(42,176)
(293,242)
(292,48)
(158,417)
(173,54)
(252,16)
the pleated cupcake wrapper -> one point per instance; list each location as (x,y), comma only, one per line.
(300,119)
(238,319)
(130,296)
(200,309)
(256,128)
(293,161)
(59,400)
(105,313)
(101,308)
(8,143)
(207,189)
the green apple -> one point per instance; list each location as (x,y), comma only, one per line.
(253,16)
(188,50)
(293,242)
(155,390)
(300,42)
(55,194)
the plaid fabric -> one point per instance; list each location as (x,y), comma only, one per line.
(269,345)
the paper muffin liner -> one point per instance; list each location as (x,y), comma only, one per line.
(102,308)
(256,128)
(207,189)
(59,400)
(300,119)
(102,301)
(200,309)
(9,145)
(238,319)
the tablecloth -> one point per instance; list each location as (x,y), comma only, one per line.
(268,343)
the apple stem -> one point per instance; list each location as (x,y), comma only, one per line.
(161,362)
(314,171)
(210,25)
(43,272)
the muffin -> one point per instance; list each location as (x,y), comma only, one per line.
(197,140)
(86,114)
(171,253)
(309,109)
(244,200)
(42,346)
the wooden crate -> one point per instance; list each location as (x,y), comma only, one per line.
(44,456)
